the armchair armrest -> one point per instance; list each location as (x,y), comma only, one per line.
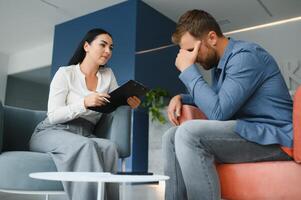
(116,127)
(191,112)
(297,126)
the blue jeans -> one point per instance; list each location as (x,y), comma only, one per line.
(191,150)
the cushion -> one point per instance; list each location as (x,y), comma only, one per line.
(261,180)
(15,167)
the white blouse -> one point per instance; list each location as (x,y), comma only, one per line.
(68,89)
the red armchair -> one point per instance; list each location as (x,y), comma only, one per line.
(261,180)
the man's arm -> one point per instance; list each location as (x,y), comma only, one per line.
(244,75)
(187,99)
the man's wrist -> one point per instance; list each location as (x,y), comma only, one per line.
(183,68)
(189,74)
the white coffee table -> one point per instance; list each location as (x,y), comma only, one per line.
(98,177)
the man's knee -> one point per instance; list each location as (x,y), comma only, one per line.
(192,132)
(169,135)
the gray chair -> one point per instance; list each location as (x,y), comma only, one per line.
(17,162)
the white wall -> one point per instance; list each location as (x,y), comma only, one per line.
(281,41)
(37,57)
(34,58)
(3,75)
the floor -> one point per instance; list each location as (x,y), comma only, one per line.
(132,192)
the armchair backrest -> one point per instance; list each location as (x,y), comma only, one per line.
(1,126)
(18,126)
(116,126)
(297,126)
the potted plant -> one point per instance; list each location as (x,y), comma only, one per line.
(155,100)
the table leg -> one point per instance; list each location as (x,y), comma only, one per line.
(100,191)
(123,191)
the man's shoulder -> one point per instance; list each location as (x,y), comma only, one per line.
(249,52)
(245,46)
(250,48)
(243,51)
(249,55)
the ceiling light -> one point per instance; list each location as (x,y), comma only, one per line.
(264,25)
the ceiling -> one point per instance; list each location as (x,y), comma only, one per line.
(30,23)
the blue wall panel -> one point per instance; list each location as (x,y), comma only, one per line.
(156,68)
(153,28)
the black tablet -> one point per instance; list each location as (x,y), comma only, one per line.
(120,95)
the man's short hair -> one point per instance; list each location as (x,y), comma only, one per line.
(197,23)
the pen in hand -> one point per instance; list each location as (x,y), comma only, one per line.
(107,100)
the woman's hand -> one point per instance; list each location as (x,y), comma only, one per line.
(134,102)
(96,99)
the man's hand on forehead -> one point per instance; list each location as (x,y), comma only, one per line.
(187,57)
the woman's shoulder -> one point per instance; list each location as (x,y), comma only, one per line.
(68,70)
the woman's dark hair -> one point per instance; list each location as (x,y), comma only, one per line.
(80,53)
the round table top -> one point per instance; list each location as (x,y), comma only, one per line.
(96,177)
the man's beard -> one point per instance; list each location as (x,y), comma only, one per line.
(211,61)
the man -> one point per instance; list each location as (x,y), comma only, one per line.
(248,107)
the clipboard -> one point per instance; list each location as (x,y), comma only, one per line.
(119,96)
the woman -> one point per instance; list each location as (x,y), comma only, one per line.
(66,133)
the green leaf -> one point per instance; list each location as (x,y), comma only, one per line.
(154,101)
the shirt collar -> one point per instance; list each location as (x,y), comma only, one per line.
(83,75)
(227,54)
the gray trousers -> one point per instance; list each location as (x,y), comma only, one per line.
(74,148)
(191,150)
